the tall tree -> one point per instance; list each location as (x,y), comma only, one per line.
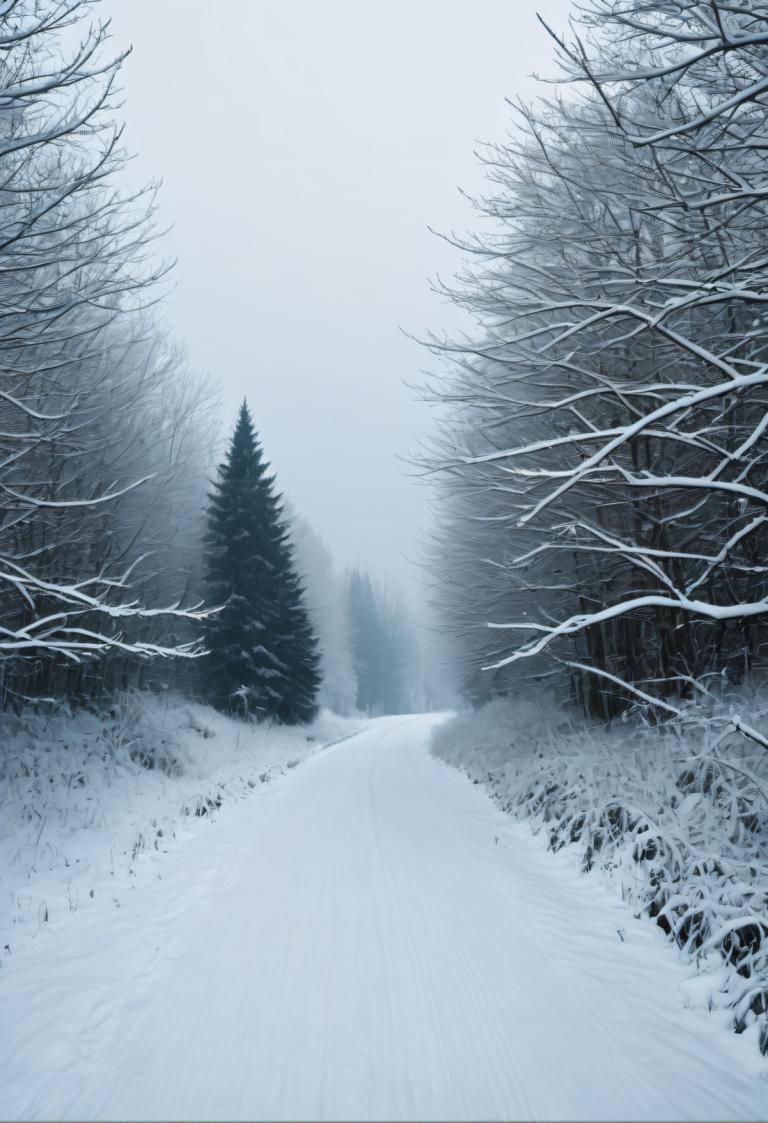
(263,657)
(367,641)
(398,672)
(328,606)
(604,464)
(383,648)
(78,375)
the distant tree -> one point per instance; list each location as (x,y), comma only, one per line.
(398,668)
(328,605)
(368,642)
(263,657)
(383,647)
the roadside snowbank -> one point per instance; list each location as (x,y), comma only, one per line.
(89,803)
(677,821)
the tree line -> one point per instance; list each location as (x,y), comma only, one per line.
(602,462)
(103,430)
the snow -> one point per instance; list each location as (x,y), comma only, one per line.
(81,816)
(368,937)
(672,820)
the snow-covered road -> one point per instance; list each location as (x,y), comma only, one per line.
(368,937)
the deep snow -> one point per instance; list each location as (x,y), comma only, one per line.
(366,937)
(675,818)
(83,815)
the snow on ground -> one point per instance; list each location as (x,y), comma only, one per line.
(368,937)
(677,820)
(90,803)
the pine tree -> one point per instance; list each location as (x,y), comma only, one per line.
(397,657)
(368,642)
(263,657)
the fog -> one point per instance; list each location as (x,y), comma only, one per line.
(304,150)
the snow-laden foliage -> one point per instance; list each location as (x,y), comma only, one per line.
(89,801)
(678,820)
(102,441)
(604,459)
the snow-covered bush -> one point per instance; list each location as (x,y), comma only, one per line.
(677,817)
(89,801)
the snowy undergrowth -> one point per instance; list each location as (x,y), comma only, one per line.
(89,803)
(678,822)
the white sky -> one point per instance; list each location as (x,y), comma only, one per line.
(304,147)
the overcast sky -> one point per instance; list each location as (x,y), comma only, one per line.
(304,148)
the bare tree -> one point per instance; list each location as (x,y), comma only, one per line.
(75,269)
(610,412)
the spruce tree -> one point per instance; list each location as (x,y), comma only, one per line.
(367,642)
(263,659)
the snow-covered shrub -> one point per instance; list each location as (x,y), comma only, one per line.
(89,801)
(677,818)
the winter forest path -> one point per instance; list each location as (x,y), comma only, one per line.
(368,938)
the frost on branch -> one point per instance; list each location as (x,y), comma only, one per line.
(604,470)
(102,453)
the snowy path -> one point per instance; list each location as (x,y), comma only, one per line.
(370,938)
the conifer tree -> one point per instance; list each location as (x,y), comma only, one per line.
(263,659)
(367,642)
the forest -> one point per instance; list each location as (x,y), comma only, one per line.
(605,457)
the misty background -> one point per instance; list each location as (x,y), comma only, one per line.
(304,150)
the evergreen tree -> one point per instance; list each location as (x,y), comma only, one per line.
(263,653)
(396,657)
(327,600)
(366,639)
(382,647)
